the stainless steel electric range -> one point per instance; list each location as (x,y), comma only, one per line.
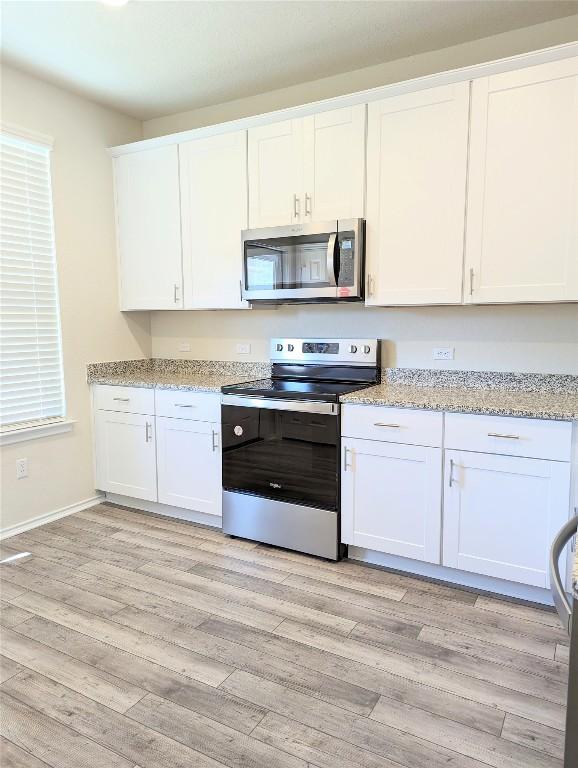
(281,444)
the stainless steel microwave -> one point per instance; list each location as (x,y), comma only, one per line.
(318,262)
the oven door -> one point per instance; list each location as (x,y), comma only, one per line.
(303,262)
(282,450)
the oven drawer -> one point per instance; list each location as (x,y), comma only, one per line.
(392,425)
(124,399)
(184,404)
(510,436)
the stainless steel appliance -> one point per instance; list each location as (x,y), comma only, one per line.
(304,262)
(281,444)
(568,613)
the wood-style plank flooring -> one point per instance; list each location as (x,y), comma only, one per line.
(135,641)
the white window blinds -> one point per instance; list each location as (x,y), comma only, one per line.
(31,382)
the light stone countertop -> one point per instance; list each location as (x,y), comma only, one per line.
(536,405)
(538,396)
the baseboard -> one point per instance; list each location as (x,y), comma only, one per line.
(452,576)
(211,521)
(14,530)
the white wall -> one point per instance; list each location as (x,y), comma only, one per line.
(518,338)
(536,338)
(61,467)
(486,49)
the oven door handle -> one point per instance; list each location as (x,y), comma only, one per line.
(332,279)
(273,404)
(558,592)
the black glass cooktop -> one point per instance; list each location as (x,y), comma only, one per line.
(327,391)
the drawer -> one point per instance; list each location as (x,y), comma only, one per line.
(194,406)
(392,425)
(124,399)
(509,436)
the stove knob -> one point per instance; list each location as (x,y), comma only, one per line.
(353,348)
(279,347)
(367,349)
(290,347)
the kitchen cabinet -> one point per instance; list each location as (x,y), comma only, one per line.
(213,180)
(149,229)
(522,221)
(417,150)
(390,491)
(308,169)
(501,513)
(189,464)
(126,454)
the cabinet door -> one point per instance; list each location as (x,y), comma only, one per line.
(416,192)
(125,454)
(189,464)
(501,514)
(391,498)
(276,174)
(149,229)
(522,224)
(334,164)
(213,176)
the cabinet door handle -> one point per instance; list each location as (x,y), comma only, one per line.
(184,405)
(346,464)
(505,437)
(176,293)
(370,284)
(308,205)
(148,432)
(296,206)
(451,479)
(471,281)
(391,426)
(214,440)
(122,399)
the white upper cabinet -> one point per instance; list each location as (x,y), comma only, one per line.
(308,169)
(334,164)
(213,177)
(416,189)
(149,229)
(275,174)
(522,224)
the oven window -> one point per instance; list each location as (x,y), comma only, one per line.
(284,455)
(292,262)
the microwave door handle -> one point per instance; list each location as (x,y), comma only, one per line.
(331,259)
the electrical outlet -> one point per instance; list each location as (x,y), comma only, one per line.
(183,346)
(443,353)
(243,349)
(21,468)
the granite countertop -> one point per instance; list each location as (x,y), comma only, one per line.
(536,405)
(538,396)
(192,375)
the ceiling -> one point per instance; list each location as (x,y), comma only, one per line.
(155,57)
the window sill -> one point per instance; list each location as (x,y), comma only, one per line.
(34,431)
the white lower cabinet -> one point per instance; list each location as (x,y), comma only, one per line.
(391,498)
(501,513)
(189,464)
(126,454)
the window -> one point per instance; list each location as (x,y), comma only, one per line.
(31,381)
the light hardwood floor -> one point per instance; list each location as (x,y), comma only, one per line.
(135,641)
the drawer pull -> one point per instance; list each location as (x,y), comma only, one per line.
(346,464)
(148,432)
(122,399)
(505,437)
(183,405)
(214,440)
(451,479)
(391,426)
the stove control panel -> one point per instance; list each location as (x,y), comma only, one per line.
(328,351)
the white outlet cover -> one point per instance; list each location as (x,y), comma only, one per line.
(243,349)
(443,353)
(183,346)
